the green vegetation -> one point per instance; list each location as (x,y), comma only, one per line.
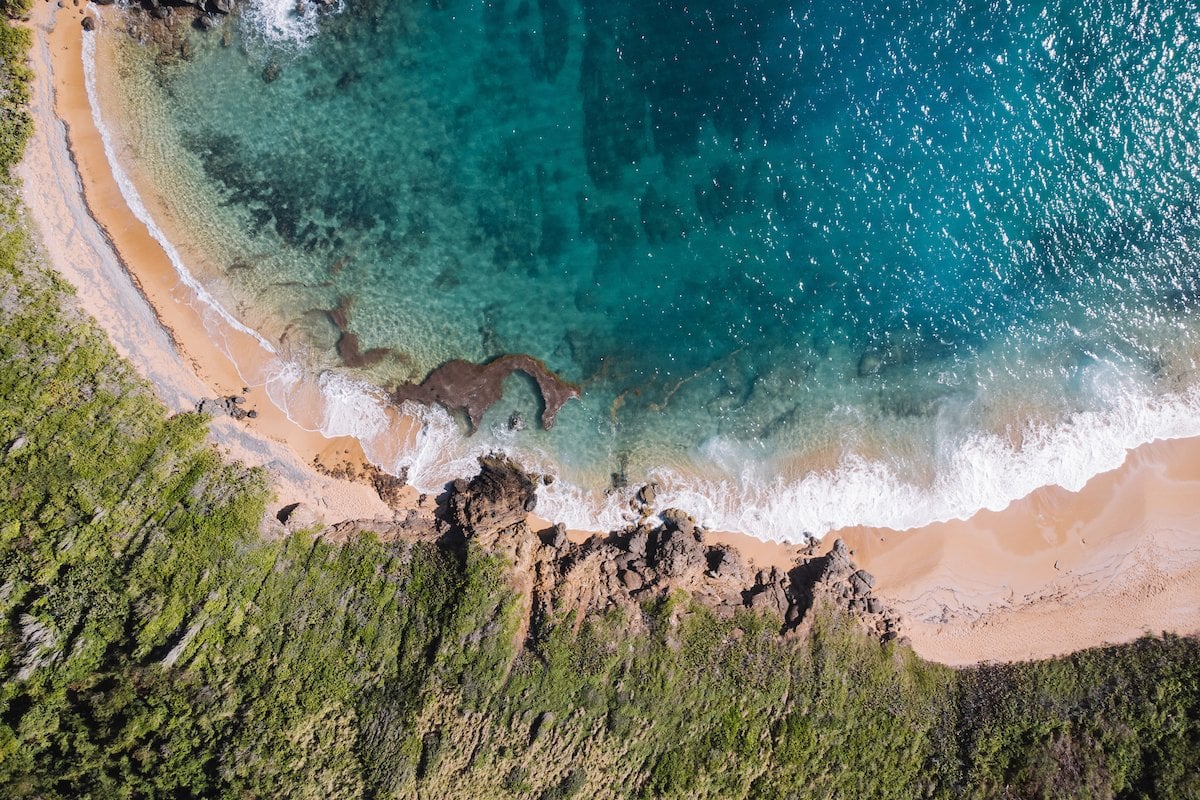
(15,121)
(152,644)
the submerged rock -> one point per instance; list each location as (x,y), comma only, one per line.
(474,388)
(871,363)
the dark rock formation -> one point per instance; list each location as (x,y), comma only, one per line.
(648,494)
(679,553)
(348,347)
(474,388)
(625,568)
(229,406)
(499,497)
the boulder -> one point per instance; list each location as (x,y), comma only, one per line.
(725,563)
(299,517)
(631,580)
(839,557)
(679,554)
(681,521)
(861,583)
(500,496)
(89,23)
(648,493)
(543,723)
(638,543)
(770,598)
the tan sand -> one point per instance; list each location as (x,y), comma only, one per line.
(137,297)
(1056,572)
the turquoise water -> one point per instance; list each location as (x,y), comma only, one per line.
(792,253)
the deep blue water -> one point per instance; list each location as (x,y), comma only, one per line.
(765,237)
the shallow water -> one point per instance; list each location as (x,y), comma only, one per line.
(812,265)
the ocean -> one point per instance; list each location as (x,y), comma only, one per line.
(811,265)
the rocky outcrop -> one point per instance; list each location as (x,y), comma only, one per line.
(233,405)
(474,388)
(842,584)
(498,498)
(298,517)
(555,576)
(646,562)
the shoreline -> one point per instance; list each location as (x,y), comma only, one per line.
(1035,580)
(127,283)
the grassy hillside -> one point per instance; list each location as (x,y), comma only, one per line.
(153,645)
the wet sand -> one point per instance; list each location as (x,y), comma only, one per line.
(1055,572)
(127,283)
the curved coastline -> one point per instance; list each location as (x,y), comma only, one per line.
(726,483)
(1071,551)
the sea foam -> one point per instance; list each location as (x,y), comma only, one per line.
(985,471)
(286,23)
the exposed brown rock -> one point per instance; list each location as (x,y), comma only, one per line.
(679,554)
(499,497)
(414,525)
(474,388)
(554,577)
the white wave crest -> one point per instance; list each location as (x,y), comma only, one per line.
(436,452)
(984,471)
(286,23)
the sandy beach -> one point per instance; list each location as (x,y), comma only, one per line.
(126,282)
(1055,572)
